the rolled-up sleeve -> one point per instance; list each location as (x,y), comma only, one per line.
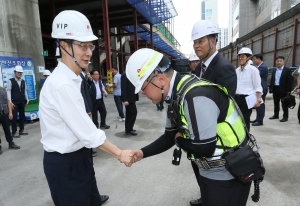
(75,117)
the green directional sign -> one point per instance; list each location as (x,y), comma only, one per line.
(45,53)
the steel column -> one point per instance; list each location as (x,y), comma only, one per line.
(262,44)
(121,49)
(151,37)
(106,33)
(295,42)
(275,46)
(136,46)
(97,45)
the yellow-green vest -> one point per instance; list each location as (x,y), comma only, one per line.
(230,132)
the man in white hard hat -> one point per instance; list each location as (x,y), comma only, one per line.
(68,134)
(17,95)
(213,67)
(193,61)
(46,74)
(192,128)
(249,83)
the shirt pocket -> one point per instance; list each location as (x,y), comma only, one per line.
(245,81)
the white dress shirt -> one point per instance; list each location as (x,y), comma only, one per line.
(248,80)
(9,86)
(98,91)
(65,127)
(278,75)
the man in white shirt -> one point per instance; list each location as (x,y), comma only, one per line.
(68,134)
(248,83)
(17,95)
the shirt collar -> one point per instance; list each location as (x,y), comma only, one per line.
(171,86)
(281,68)
(207,62)
(68,71)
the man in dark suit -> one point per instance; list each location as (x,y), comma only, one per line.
(97,93)
(86,94)
(129,98)
(213,67)
(263,72)
(280,86)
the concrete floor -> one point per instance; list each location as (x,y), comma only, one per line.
(153,181)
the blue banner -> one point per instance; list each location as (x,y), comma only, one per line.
(7,65)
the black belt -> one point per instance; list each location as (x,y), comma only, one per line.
(241,95)
(98,99)
(2,113)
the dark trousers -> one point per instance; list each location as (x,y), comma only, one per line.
(99,106)
(241,102)
(196,172)
(5,125)
(19,108)
(277,97)
(260,111)
(119,105)
(131,113)
(299,113)
(71,178)
(223,192)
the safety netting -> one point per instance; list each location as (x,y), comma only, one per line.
(155,11)
(157,41)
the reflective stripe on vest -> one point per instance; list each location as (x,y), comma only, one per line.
(230,132)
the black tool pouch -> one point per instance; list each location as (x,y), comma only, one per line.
(244,164)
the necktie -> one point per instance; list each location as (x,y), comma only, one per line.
(203,69)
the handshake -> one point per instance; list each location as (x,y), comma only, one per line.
(128,157)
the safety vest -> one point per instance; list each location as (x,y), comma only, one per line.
(230,133)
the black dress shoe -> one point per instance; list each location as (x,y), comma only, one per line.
(283,120)
(12,145)
(132,132)
(253,121)
(104,126)
(257,124)
(104,198)
(274,117)
(21,132)
(197,202)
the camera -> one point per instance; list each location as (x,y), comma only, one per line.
(176,156)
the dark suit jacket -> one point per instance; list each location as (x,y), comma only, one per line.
(284,82)
(220,71)
(85,91)
(263,72)
(93,90)
(127,90)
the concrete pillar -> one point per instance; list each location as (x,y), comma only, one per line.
(20,32)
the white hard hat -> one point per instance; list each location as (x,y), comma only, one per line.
(73,25)
(46,72)
(193,57)
(245,50)
(203,28)
(140,65)
(18,69)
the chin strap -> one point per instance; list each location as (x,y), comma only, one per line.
(243,66)
(208,38)
(72,56)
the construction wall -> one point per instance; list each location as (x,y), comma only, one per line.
(276,38)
